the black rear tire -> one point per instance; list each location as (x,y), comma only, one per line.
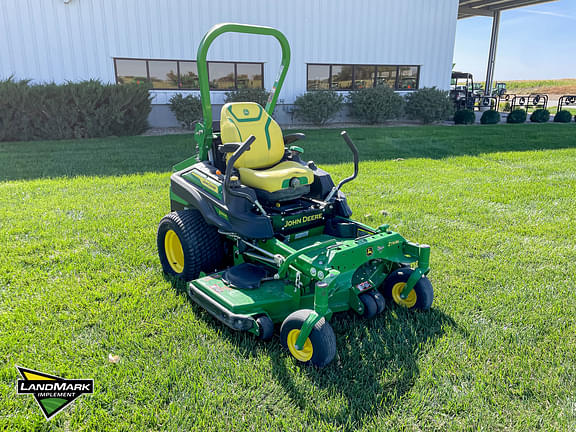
(202,245)
(322,341)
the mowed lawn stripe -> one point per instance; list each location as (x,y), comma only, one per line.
(80,278)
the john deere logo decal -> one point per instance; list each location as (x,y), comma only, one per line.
(52,393)
(369,251)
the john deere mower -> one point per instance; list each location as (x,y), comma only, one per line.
(262,237)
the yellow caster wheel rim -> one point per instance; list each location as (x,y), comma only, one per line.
(409,301)
(174,251)
(303,355)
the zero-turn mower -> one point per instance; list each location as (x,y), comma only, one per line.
(262,237)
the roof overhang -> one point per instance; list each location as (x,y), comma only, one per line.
(461,75)
(470,8)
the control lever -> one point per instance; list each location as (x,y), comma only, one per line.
(354,150)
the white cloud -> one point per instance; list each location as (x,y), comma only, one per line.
(555,14)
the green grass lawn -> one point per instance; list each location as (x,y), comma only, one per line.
(531,84)
(555,86)
(80,279)
(554,109)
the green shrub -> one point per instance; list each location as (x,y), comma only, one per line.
(15,122)
(132,107)
(188,110)
(258,95)
(376,104)
(429,105)
(85,109)
(563,116)
(540,116)
(490,117)
(464,117)
(517,116)
(317,107)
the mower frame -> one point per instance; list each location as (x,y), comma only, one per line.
(318,258)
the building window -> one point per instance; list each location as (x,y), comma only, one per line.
(183,74)
(341,77)
(408,77)
(386,75)
(163,74)
(188,75)
(221,75)
(364,76)
(131,71)
(249,75)
(356,77)
(318,77)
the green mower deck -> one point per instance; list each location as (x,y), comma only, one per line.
(360,270)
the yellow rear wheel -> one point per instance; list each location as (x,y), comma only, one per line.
(174,251)
(187,245)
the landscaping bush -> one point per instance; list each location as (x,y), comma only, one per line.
(540,116)
(429,105)
(188,110)
(318,107)
(517,116)
(258,95)
(464,117)
(490,117)
(563,116)
(85,109)
(377,104)
(14,121)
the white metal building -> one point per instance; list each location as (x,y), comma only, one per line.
(337,44)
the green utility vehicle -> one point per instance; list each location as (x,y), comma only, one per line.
(262,237)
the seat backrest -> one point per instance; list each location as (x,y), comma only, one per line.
(239,120)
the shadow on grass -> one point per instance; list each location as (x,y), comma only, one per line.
(375,365)
(113,156)
(134,155)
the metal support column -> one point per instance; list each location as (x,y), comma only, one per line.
(492,54)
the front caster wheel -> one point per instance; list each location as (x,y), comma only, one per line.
(370,306)
(320,347)
(420,297)
(380,301)
(265,327)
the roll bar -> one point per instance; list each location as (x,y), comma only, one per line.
(203,132)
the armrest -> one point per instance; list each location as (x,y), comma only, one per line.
(244,147)
(229,147)
(289,139)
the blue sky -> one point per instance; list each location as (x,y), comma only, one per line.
(537,42)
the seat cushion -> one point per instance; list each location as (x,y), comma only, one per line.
(239,120)
(276,178)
